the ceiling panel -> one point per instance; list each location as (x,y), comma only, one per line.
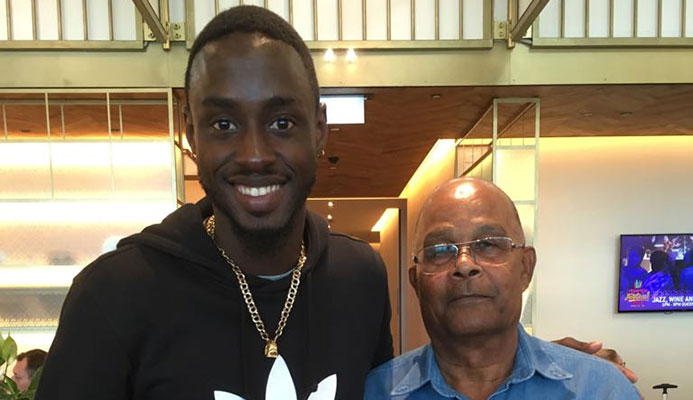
(377,159)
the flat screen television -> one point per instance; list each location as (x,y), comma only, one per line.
(656,273)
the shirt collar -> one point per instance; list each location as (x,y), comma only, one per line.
(424,369)
(530,357)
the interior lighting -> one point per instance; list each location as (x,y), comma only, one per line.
(351,55)
(81,154)
(142,154)
(345,109)
(329,217)
(431,168)
(38,276)
(329,56)
(330,204)
(24,154)
(83,212)
(388,215)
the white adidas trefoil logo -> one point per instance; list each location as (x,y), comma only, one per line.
(280,386)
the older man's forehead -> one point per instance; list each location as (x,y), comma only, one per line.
(460,220)
(485,211)
(484,203)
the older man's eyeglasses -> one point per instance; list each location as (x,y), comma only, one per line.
(486,251)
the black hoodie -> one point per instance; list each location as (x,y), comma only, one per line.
(162,318)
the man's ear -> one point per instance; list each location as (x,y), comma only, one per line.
(189,128)
(414,279)
(321,128)
(529,261)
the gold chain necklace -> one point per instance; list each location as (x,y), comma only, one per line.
(271,348)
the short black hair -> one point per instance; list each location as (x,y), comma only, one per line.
(252,19)
(34,360)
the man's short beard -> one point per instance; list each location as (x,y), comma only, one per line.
(264,240)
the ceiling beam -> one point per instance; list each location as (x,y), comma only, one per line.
(478,121)
(525,21)
(515,118)
(152,20)
(518,116)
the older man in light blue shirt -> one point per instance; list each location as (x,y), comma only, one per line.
(470,269)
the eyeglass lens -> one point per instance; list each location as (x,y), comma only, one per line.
(488,250)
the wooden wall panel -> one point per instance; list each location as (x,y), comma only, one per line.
(377,159)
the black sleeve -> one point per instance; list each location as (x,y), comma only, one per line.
(86,361)
(384,350)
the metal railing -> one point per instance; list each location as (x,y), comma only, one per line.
(70,24)
(613,23)
(372,24)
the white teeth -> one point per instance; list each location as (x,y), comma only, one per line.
(257,191)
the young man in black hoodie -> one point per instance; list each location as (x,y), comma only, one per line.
(200,306)
(206,304)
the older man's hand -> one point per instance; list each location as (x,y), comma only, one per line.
(596,349)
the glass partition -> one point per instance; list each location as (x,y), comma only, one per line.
(503,147)
(79,170)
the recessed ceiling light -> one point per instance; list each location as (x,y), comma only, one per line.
(330,204)
(329,55)
(329,217)
(436,96)
(335,129)
(351,55)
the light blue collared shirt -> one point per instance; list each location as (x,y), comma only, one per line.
(542,370)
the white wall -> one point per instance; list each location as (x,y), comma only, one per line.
(591,190)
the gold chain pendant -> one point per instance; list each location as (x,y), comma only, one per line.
(271,349)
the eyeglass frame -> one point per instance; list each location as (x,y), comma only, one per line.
(468,245)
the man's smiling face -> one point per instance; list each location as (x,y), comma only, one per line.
(255,126)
